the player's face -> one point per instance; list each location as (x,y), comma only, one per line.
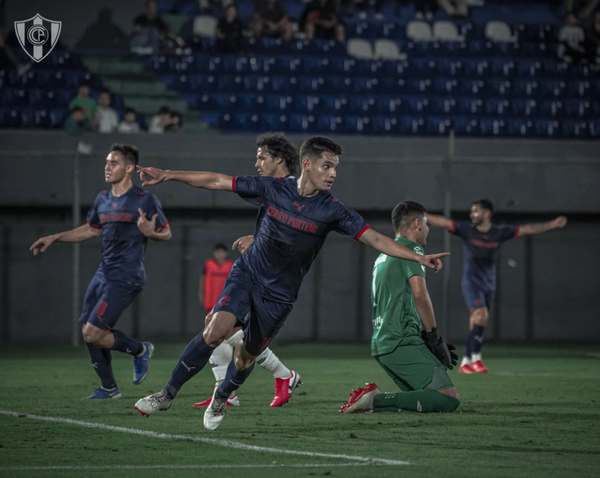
(424,231)
(116,169)
(265,163)
(478,214)
(220,255)
(322,171)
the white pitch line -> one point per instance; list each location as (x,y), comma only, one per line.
(178,467)
(593,354)
(210,441)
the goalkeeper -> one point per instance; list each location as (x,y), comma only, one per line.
(405,342)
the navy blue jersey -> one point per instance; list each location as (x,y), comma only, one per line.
(481,251)
(261,213)
(291,233)
(123,244)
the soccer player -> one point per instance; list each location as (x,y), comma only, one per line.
(264,283)
(405,342)
(126,216)
(276,157)
(482,242)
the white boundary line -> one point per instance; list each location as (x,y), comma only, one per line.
(210,441)
(593,354)
(177,467)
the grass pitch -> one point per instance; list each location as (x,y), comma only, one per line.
(537,413)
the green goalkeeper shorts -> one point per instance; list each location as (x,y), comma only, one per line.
(414,367)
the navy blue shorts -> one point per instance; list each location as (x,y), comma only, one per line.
(104,303)
(261,318)
(477,298)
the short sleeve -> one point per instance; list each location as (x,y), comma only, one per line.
(251,188)
(155,207)
(414,268)
(348,221)
(93,218)
(459,228)
(507,232)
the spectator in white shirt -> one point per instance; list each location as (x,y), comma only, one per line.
(129,123)
(106,119)
(572,41)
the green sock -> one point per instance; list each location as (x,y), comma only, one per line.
(418,401)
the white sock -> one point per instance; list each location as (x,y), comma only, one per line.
(219,360)
(465,361)
(476,357)
(269,361)
(235,338)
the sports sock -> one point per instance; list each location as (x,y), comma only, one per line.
(269,361)
(465,361)
(468,345)
(192,360)
(235,338)
(126,344)
(219,360)
(423,401)
(477,339)
(233,380)
(101,362)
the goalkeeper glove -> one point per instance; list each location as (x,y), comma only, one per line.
(437,346)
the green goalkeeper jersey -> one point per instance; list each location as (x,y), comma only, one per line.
(395,317)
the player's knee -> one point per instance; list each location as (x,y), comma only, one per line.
(242,363)
(213,337)
(449,402)
(480,316)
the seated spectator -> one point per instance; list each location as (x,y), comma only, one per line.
(230,32)
(175,123)
(83,101)
(270,18)
(586,11)
(106,119)
(77,123)
(572,41)
(320,19)
(455,8)
(129,123)
(150,34)
(160,121)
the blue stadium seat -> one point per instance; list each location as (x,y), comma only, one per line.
(417,105)
(497,87)
(492,127)
(496,106)
(552,88)
(273,122)
(361,105)
(578,129)
(525,88)
(520,127)
(528,68)
(302,123)
(27,118)
(502,68)
(447,67)
(436,125)
(278,103)
(523,107)
(465,126)
(443,106)
(386,105)
(385,125)
(423,67)
(474,67)
(577,88)
(309,84)
(547,128)
(578,109)
(416,86)
(470,106)
(471,87)
(330,124)
(444,86)
(305,103)
(551,108)
(58,116)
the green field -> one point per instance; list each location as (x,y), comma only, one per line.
(537,413)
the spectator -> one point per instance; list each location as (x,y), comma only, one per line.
(572,41)
(106,119)
(270,18)
(150,34)
(175,123)
(320,19)
(160,121)
(77,123)
(129,123)
(586,11)
(424,9)
(230,32)
(103,34)
(212,280)
(83,101)
(455,8)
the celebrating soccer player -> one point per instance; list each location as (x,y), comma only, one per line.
(264,283)
(126,216)
(482,242)
(405,341)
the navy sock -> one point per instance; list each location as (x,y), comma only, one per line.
(101,362)
(192,360)
(126,344)
(233,380)
(477,338)
(468,345)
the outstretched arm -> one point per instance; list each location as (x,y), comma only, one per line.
(79,234)
(387,246)
(439,221)
(197,179)
(539,227)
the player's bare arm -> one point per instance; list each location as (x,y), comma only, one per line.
(148,228)
(439,221)
(539,227)
(387,246)
(243,244)
(198,179)
(79,234)
(418,286)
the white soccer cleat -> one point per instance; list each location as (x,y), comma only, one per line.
(214,414)
(361,399)
(153,403)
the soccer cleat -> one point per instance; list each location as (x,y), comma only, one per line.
(103,394)
(214,414)
(466,368)
(233,401)
(284,387)
(478,367)
(361,399)
(153,403)
(141,364)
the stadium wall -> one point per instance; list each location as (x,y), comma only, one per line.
(548,285)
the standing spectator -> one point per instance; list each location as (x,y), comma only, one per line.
(103,34)
(320,19)
(160,121)
(216,270)
(270,18)
(83,101)
(77,123)
(586,11)
(455,8)
(129,123)
(106,119)
(230,32)
(572,41)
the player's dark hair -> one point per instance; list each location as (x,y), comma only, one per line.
(314,147)
(405,213)
(278,146)
(485,204)
(84,83)
(76,109)
(220,246)
(130,153)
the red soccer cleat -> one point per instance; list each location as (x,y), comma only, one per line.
(231,402)
(478,367)
(284,387)
(466,368)
(361,399)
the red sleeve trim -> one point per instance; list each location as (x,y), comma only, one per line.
(362,231)
(453,230)
(162,227)
(91,225)
(518,231)
(233,185)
